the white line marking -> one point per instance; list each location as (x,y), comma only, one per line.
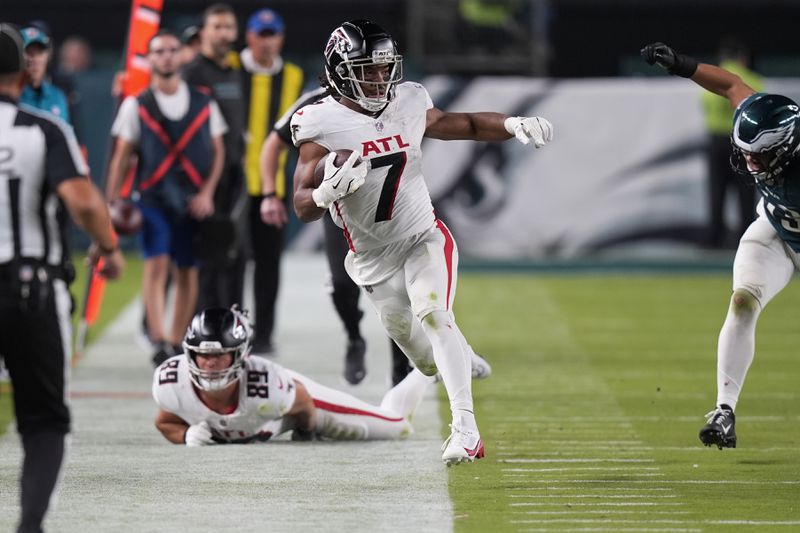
(582,468)
(615,529)
(670,512)
(589,460)
(665,489)
(666,481)
(598,504)
(610,496)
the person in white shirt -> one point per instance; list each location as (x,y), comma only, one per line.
(400,253)
(176,132)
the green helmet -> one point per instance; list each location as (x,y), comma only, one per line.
(768,125)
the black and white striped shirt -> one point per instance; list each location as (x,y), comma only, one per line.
(37,153)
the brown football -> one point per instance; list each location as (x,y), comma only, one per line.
(341,157)
(125,216)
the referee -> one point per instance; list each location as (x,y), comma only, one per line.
(39,163)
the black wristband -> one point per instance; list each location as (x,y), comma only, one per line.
(685,66)
(269,195)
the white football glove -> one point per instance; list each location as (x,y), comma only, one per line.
(198,435)
(527,129)
(339,181)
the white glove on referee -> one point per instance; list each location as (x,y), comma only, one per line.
(198,435)
(339,181)
(527,129)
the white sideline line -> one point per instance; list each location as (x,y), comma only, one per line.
(615,529)
(665,481)
(671,512)
(662,489)
(571,443)
(599,504)
(658,521)
(630,419)
(651,474)
(582,469)
(587,460)
(611,496)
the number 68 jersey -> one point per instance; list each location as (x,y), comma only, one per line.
(394,202)
(266,394)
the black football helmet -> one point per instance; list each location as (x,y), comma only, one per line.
(217,331)
(353,51)
(766,127)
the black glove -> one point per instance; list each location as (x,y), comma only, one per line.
(671,61)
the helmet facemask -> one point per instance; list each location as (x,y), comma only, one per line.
(362,64)
(216,332)
(765,139)
(212,380)
(372,80)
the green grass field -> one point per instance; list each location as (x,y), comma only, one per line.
(600,388)
(600,385)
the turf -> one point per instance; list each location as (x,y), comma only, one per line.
(117,295)
(599,390)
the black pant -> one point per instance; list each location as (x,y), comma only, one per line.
(267,244)
(721,176)
(35,352)
(221,279)
(346,293)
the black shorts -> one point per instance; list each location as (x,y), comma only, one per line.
(35,344)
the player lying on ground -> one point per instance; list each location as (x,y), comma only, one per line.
(217,393)
(766,143)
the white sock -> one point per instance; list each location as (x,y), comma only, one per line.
(453,363)
(404,398)
(735,352)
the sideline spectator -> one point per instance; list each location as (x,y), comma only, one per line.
(271,85)
(221,237)
(176,185)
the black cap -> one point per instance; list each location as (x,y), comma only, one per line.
(190,33)
(12,59)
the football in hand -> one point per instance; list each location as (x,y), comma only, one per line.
(341,157)
(125,216)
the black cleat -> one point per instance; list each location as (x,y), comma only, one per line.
(720,429)
(354,369)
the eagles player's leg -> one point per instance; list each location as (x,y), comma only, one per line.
(431,269)
(761,270)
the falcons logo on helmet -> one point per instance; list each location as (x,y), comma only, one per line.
(339,42)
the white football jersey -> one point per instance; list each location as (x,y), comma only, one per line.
(266,394)
(394,202)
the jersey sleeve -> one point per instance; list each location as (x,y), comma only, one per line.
(126,125)
(283,127)
(64,158)
(282,389)
(166,387)
(305,127)
(217,124)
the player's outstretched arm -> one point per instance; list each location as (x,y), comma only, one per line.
(487,126)
(171,426)
(712,78)
(303,413)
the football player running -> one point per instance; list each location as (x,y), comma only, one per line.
(400,253)
(217,393)
(766,139)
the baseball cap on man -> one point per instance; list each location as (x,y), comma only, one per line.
(32,35)
(265,20)
(12,59)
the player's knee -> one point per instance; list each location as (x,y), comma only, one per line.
(744,304)
(397,325)
(436,319)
